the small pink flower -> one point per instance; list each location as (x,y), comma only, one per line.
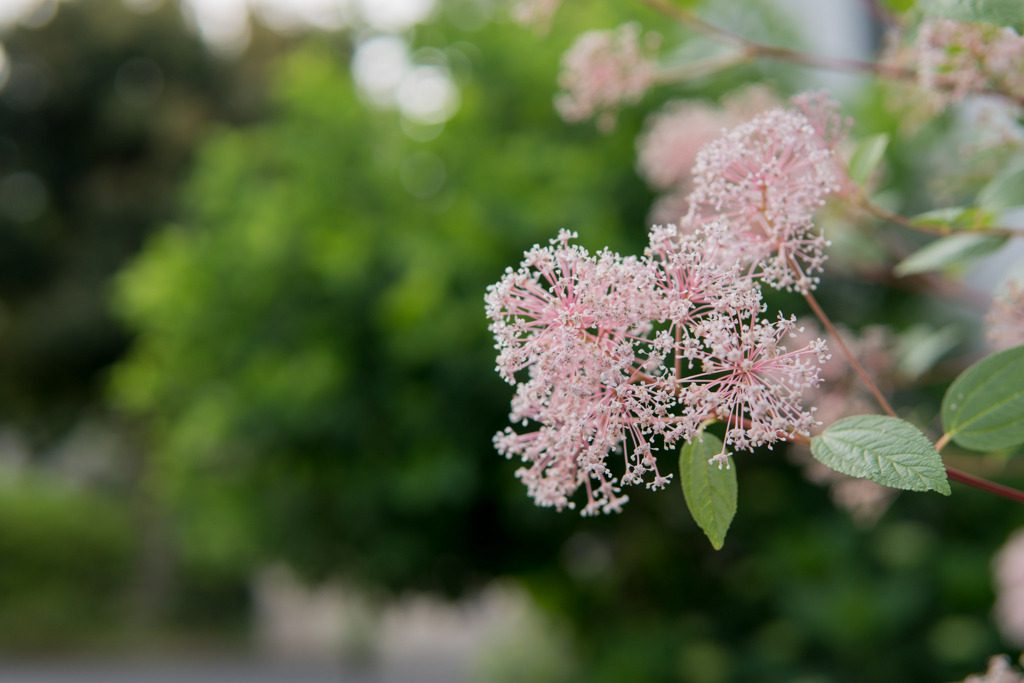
(578,325)
(602,71)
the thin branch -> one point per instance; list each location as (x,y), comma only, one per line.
(813,303)
(816,61)
(704,67)
(886,215)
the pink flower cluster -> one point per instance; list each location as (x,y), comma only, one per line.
(764,180)
(602,71)
(618,355)
(957,58)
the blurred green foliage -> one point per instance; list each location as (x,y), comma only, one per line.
(66,557)
(312,349)
(98,119)
(100,113)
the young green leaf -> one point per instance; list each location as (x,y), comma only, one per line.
(867,156)
(948,251)
(1006,190)
(956,217)
(921,347)
(983,409)
(710,492)
(886,450)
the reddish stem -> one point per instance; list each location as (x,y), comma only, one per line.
(985,485)
(813,303)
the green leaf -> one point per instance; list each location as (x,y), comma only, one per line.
(998,12)
(886,450)
(1004,191)
(956,218)
(710,491)
(867,156)
(983,409)
(948,251)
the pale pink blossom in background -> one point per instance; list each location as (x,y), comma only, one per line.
(957,58)
(602,71)
(832,128)
(535,14)
(824,115)
(748,101)
(668,147)
(671,207)
(1005,320)
(1008,573)
(999,671)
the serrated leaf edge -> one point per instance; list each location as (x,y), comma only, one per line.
(940,485)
